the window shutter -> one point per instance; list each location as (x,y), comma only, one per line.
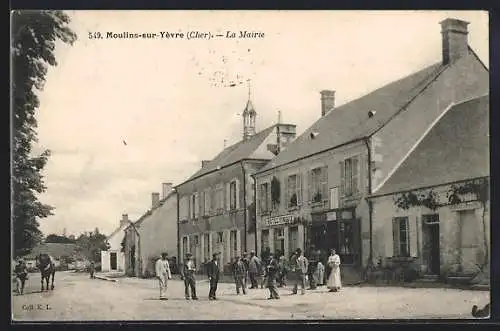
(196,204)
(237,187)
(412,237)
(355,174)
(324,184)
(287,195)
(299,190)
(202,202)
(269,197)
(310,186)
(189,207)
(395,236)
(228,196)
(342,178)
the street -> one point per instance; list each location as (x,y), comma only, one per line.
(77,297)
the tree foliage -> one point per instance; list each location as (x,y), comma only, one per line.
(54,238)
(91,244)
(34,36)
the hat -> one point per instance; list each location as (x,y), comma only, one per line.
(189,254)
(298,251)
(215,254)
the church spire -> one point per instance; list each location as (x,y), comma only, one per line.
(249,115)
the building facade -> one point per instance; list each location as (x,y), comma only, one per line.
(113,260)
(154,233)
(216,210)
(314,193)
(435,208)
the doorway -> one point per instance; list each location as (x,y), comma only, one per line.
(113,261)
(431,247)
(325,236)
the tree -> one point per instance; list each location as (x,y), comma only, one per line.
(34,34)
(54,238)
(91,244)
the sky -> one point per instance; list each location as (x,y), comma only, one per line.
(122,116)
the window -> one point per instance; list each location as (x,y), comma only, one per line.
(232,195)
(193,206)
(220,237)
(334,198)
(318,181)
(264,197)
(293,237)
(350,176)
(206,245)
(294,191)
(234,243)
(206,202)
(219,197)
(400,236)
(279,241)
(264,240)
(196,240)
(185,245)
(184,208)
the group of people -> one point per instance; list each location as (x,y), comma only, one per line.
(268,270)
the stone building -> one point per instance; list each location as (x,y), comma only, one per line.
(321,181)
(434,209)
(113,260)
(216,203)
(155,232)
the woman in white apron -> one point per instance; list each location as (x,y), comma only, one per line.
(334,284)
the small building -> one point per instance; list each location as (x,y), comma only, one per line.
(62,253)
(313,194)
(434,209)
(216,204)
(154,233)
(113,260)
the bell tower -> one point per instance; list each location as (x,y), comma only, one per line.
(249,115)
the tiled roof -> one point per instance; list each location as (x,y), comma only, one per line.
(350,121)
(455,149)
(244,149)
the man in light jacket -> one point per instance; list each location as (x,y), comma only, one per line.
(300,267)
(254,269)
(162,269)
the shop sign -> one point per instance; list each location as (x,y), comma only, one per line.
(279,220)
(331,216)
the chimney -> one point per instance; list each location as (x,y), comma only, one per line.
(204,163)
(124,220)
(167,188)
(454,34)
(155,199)
(327,101)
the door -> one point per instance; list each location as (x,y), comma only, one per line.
(431,250)
(113,261)
(468,240)
(325,236)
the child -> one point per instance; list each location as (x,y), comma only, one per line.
(320,273)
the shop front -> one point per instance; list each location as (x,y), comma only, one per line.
(282,234)
(338,229)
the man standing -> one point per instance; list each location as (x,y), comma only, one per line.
(271,271)
(188,272)
(239,272)
(21,272)
(253,269)
(162,270)
(313,265)
(300,266)
(246,262)
(213,276)
(92,270)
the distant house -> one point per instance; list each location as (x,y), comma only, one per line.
(448,234)
(61,253)
(152,234)
(114,259)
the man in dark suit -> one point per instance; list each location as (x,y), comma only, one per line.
(188,272)
(214,269)
(271,271)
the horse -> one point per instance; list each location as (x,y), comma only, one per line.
(47,269)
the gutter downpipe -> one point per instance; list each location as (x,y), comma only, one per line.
(370,203)
(178,231)
(244,205)
(255,211)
